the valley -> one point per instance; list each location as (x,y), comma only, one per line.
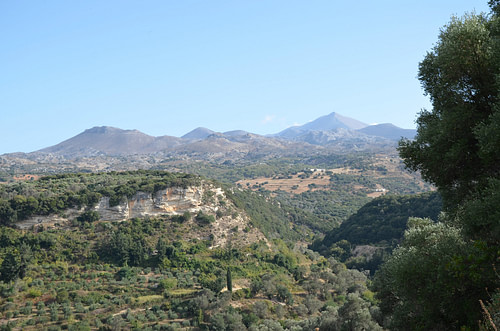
(145,242)
(240,166)
(381,169)
(114,229)
(144,249)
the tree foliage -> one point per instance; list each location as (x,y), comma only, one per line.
(441,272)
(56,193)
(460,75)
(424,283)
(384,218)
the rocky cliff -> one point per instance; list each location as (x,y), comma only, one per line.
(175,200)
(229,225)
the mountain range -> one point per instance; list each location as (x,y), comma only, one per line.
(329,131)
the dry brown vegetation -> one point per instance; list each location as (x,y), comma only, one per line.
(320,179)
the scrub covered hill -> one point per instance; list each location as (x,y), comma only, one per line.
(58,193)
(367,237)
(384,219)
(151,273)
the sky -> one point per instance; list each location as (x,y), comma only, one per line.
(167,67)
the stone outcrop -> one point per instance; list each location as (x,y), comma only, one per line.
(49,219)
(174,200)
(227,228)
(171,201)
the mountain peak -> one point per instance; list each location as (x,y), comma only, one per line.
(328,122)
(104,139)
(336,121)
(198,133)
(103,130)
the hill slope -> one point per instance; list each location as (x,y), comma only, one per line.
(198,134)
(112,141)
(384,218)
(389,131)
(161,269)
(329,122)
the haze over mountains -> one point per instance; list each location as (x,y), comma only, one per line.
(330,131)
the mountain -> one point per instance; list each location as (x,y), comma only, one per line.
(111,141)
(239,144)
(335,129)
(389,131)
(329,122)
(333,132)
(235,133)
(198,134)
(343,138)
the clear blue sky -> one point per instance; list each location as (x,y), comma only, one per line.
(167,67)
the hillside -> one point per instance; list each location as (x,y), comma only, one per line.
(326,197)
(316,200)
(198,134)
(125,196)
(368,236)
(329,122)
(112,141)
(384,219)
(164,268)
(332,132)
(389,131)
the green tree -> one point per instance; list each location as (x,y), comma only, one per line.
(88,217)
(7,214)
(457,148)
(460,77)
(167,284)
(62,296)
(11,266)
(26,256)
(355,315)
(161,248)
(213,280)
(54,312)
(421,284)
(284,295)
(229,280)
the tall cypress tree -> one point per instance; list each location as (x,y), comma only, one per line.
(229,280)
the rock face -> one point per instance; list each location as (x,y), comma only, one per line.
(171,201)
(175,200)
(228,227)
(49,219)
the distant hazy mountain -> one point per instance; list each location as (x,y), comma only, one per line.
(329,122)
(330,131)
(198,134)
(335,127)
(115,142)
(235,133)
(343,137)
(389,131)
(112,141)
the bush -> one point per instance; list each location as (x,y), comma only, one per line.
(167,284)
(204,218)
(241,293)
(34,293)
(62,296)
(88,217)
